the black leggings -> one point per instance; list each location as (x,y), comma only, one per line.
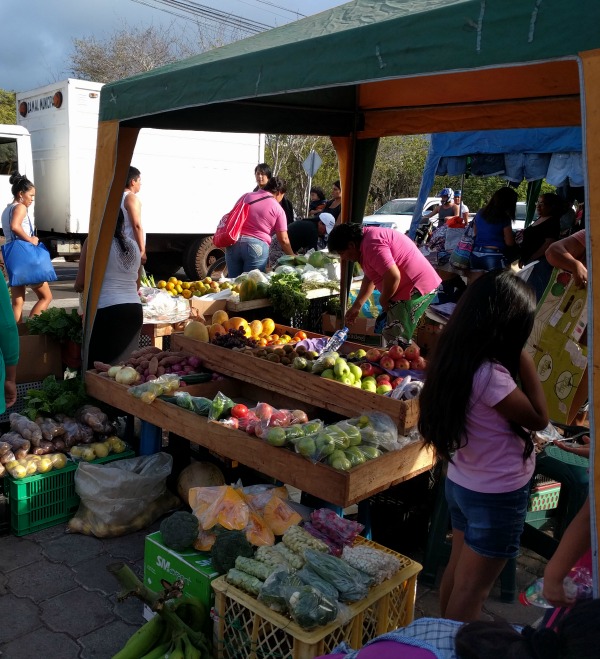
(116,333)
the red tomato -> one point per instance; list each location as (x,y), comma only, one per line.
(239,411)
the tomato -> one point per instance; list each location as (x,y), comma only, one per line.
(301,335)
(239,411)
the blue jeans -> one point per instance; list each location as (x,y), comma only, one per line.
(247,254)
(492,523)
(486,258)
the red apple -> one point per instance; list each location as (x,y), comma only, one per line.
(263,411)
(402,364)
(420,363)
(367,369)
(377,370)
(412,352)
(387,363)
(381,379)
(396,382)
(373,355)
(396,352)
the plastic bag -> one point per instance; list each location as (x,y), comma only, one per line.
(352,584)
(340,530)
(220,406)
(375,563)
(277,587)
(122,497)
(228,510)
(158,306)
(310,608)
(147,392)
(377,429)
(197,404)
(311,578)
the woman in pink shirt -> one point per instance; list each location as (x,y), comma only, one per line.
(475,416)
(392,264)
(265,218)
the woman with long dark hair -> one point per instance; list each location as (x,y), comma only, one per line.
(492,229)
(119,316)
(478,420)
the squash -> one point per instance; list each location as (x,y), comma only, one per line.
(215,329)
(196,330)
(220,316)
(279,516)
(198,474)
(247,290)
(257,532)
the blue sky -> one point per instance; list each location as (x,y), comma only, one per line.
(37,36)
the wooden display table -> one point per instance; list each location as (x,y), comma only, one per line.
(156,331)
(306,387)
(341,488)
(240,307)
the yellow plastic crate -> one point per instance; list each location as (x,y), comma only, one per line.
(246,628)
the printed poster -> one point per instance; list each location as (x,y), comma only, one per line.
(554,344)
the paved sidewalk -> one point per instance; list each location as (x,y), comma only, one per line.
(58,600)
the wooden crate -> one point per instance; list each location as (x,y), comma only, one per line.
(341,488)
(246,628)
(306,387)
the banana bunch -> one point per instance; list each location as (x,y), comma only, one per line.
(173,633)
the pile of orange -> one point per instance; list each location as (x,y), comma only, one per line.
(261,331)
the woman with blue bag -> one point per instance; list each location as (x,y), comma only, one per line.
(27,261)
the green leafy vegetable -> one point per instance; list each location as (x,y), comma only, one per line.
(287,296)
(55,397)
(56,323)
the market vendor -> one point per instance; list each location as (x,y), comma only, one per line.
(393,264)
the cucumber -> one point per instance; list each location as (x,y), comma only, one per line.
(196,378)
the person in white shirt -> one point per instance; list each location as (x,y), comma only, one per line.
(463,208)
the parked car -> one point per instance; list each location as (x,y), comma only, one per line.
(397,213)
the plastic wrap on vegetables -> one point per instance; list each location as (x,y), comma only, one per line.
(351,584)
(334,548)
(50,428)
(228,510)
(309,608)
(15,443)
(375,563)
(377,429)
(311,578)
(95,418)
(147,392)
(322,445)
(220,407)
(297,539)
(278,587)
(341,530)
(244,581)
(26,428)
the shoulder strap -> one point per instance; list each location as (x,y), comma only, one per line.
(259,199)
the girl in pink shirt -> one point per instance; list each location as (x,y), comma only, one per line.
(475,416)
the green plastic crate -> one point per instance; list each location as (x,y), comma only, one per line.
(43,500)
(544,497)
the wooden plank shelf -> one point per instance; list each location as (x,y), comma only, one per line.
(306,387)
(341,488)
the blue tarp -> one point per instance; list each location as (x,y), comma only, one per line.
(522,140)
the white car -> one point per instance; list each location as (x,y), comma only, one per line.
(398,213)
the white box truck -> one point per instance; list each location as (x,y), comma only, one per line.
(190,179)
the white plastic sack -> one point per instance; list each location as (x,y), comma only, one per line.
(160,307)
(122,496)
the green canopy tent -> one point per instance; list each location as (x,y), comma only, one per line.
(365,70)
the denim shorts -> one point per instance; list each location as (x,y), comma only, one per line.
(485,258)
(247,254)
(528,166)
(492,523)
(452,166)
(565,167)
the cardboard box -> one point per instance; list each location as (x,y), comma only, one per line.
(39,356)
(207,307)
(193,567)
(363,330)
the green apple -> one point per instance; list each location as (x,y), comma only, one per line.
(328,373)
(341,367)
(306,446)
(355,370)
(276,437)
(369,385)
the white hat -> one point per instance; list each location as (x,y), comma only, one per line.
(328,220)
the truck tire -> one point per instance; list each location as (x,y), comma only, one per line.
(199,256)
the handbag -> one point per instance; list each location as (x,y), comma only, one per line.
(27,263)
(230,227)
(461,256)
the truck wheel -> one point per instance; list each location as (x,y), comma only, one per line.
(199,256)
(162,265)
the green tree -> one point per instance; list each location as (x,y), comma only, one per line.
(8,111)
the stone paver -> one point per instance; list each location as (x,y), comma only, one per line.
(74,548)
(43,643)
(77,612)
(93,575)
(129,610)
(106,642)
(40,581)
(17,552)
(19,616)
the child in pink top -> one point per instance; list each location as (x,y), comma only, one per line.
(392,263)
(475,416)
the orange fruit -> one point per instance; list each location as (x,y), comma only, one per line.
(301,335)
(274,337)
(256,328)
(262,342)
(226,325)
(220,316)
(268,325)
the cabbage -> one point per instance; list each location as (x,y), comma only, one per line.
(285,269)
(318,259)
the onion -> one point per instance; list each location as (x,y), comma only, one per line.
(126,375)
(194,361)
(113,370)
